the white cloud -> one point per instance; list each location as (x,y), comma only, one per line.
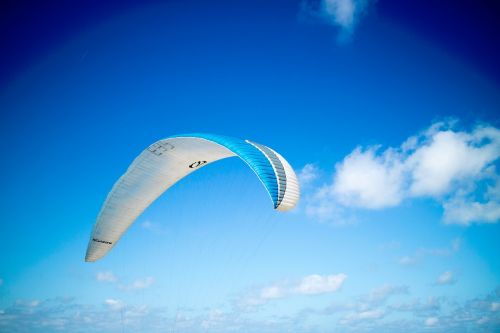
(368,315)
(455,168)
(464,210)
(344,14)
(321,206)
(147,224)
(366,180)
(272,292)
(450,156)
(308,174)
(407,260)
(139,284)
(495,306)
(156,228)
(107,276)
(114,315)
(318,284)
(114,304)
(431,321)
(341,12)
(456,244)
(309,285)
(446,278)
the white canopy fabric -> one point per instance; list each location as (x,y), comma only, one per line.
(166,162)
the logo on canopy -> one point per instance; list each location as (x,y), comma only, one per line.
(197,164)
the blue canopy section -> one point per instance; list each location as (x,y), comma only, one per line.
(252,156)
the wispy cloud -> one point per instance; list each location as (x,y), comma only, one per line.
(361,306)
(408,260)
(138,284)
(495,306)
(456,168)
(423,252)
(135,285)
(431,321)
(420,308)
(475,315)
(343,14)
(28,303)
(308,174)
(107,276)
(319,284)
(381,294)
(446,278)
(368,315)
(154,227)
(392,245)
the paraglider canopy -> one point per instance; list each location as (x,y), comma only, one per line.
(166,162)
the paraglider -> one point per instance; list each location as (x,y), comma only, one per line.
(167,161)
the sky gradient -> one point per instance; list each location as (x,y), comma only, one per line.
(389,115)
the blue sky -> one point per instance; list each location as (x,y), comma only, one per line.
(390,120)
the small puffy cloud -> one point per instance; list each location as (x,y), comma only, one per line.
(147,225)
(431,321)
(456,244)
(156,228)
(495,306)
(456,168)
(107,276)
(446,278)
(449,156)
(366,180)
(407,260)
(114,304)
(139,284)
(319,205)
(272,292)
(318,284)
(343,14)
(314,284)
(308,174)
